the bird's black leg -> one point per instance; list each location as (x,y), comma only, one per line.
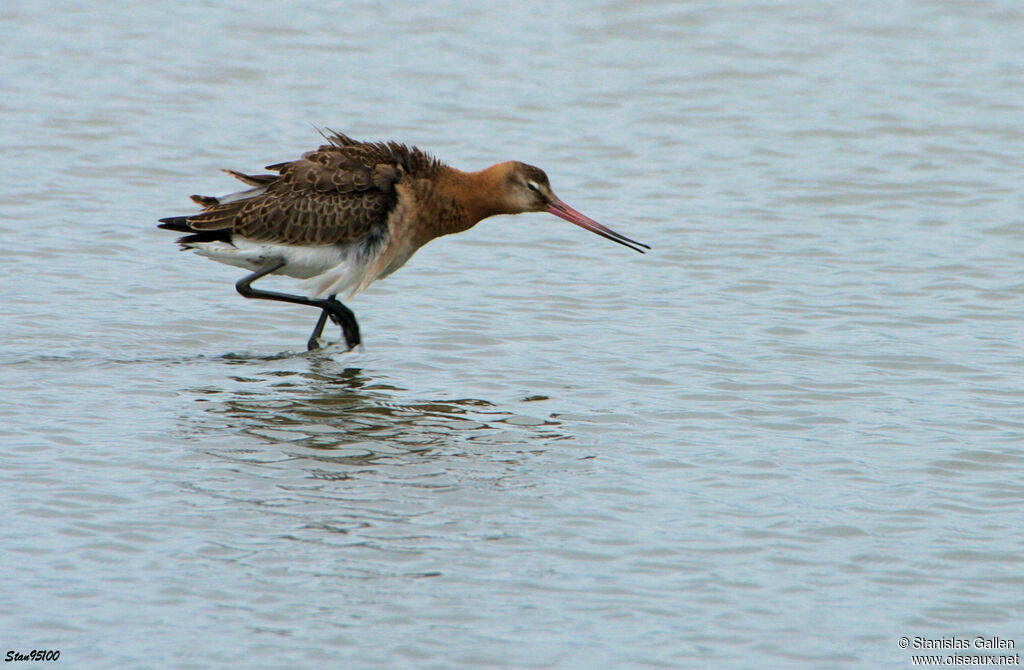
(340,314)
(345,318)
(318,329)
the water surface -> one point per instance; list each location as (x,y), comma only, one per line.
(788,436)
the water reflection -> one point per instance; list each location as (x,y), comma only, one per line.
(332,456)
(314,408)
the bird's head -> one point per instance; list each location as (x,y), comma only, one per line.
(526,189)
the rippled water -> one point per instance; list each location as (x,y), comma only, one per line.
(788,436)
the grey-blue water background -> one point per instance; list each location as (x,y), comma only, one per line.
(785,438)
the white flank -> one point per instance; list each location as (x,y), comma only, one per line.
(344,278)
(330,268)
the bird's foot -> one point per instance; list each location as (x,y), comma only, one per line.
(344,318)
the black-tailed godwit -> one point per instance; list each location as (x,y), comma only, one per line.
(350,212)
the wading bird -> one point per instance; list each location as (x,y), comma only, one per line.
(350,212)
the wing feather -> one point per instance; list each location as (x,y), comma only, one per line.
(340,192)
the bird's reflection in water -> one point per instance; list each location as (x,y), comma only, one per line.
(327,455)
(313,408)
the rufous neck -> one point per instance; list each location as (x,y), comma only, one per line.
(480,194)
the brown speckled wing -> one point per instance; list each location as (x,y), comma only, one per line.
(340,192)
(314,217)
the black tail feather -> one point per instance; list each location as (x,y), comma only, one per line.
(206,236)
(180,224)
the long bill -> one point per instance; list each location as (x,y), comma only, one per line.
(564,211)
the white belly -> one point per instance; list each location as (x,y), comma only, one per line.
(330,268)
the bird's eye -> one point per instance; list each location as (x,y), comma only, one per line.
(533,186)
